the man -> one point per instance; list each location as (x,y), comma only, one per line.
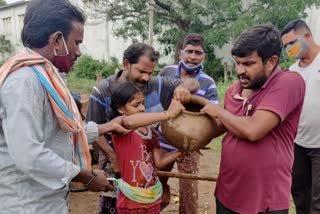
(139,61)
(260,119)
(38,117)
(299,43)
(192,57)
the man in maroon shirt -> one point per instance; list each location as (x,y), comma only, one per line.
(260,119)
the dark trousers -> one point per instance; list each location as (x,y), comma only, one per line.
(221,209)
(306,180)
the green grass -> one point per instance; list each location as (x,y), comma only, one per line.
(80,85)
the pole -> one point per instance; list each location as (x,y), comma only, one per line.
(151,15)
(185,176)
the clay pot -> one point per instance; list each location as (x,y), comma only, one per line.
(192,129)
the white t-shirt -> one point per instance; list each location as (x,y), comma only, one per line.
(309,126)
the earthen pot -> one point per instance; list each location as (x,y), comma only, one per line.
(192,129)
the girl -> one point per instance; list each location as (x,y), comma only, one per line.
(138,152)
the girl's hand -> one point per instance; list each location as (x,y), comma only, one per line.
(174,109)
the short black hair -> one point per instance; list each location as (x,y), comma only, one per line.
(136,50)
(194,39)
(295,25)
(265,39)
(44,17)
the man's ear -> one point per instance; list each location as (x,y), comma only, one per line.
(272,63)
(205,57)
(55,39)
(126,65)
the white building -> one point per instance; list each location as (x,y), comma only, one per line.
(99,41)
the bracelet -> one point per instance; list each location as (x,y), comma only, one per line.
(167,113)
(94,175)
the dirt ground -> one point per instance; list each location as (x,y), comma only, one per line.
(86,202)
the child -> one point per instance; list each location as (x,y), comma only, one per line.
(138,152)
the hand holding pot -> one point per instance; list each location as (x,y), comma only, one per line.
(211,109)
(174,109)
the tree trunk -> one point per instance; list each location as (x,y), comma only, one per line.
(225,72)
(177,51)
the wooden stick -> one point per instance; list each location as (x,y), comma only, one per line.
(185,176)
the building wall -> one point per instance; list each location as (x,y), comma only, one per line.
(11,22)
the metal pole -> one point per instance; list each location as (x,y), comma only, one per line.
(151,15)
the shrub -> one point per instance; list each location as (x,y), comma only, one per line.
(87,67)
(286,61)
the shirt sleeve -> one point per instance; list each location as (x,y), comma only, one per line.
(92,132)
(168,86)
(99,105)
(212,93)
(285,96)
(22,99)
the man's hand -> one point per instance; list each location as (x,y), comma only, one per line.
(100,183)
(117,126)
(212,109)
(182,94)
(174,109)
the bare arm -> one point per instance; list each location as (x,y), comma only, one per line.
(252,128)
(115,126)
(145,119)
(165,159)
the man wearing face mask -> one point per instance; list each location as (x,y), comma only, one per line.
(40,125)
(190,65)
(299,43)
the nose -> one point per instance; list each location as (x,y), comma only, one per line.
(146,77)
(240,69)
(141,108)
(78,52)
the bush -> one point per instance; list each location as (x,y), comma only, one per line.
(87,67)
(286,61)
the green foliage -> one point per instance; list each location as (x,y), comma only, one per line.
(2,2)
(5,45)
(213,67)
(286,61)
(220,21)
(88,68)
(80,85)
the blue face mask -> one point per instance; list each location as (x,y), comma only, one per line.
(187,68)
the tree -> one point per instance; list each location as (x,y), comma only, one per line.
(5,46)
(221,21)
(2,2)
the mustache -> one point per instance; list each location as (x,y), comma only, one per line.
(141,82)
(243,76)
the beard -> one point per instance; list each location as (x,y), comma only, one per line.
(253,84)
